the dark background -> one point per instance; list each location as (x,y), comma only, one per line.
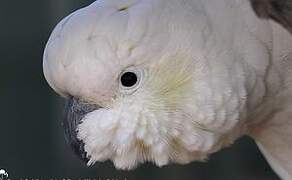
(31,139)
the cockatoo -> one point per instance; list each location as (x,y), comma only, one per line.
(172,81)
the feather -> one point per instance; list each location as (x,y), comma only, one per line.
(274,134)
(274,138)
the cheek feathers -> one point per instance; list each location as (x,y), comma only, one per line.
(160,122)
(170,80)
(125,135)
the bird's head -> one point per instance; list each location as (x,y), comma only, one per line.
(144,83)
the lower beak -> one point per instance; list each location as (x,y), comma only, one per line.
(74,113)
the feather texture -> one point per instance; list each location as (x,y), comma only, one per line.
(212,72)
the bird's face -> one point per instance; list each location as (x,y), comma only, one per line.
(138,92)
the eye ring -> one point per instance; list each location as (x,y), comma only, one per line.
(130,79)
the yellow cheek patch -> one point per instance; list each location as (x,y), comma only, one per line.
(170,80)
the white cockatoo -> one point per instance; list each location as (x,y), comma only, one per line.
(172,81)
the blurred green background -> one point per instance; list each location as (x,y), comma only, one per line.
(32,144)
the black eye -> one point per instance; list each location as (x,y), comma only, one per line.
(129,79)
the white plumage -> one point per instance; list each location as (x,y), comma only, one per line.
(208,71)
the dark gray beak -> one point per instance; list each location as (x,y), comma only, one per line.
(75,111)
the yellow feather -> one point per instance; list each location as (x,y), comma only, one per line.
(170,80)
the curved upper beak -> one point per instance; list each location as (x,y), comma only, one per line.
(74,113)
